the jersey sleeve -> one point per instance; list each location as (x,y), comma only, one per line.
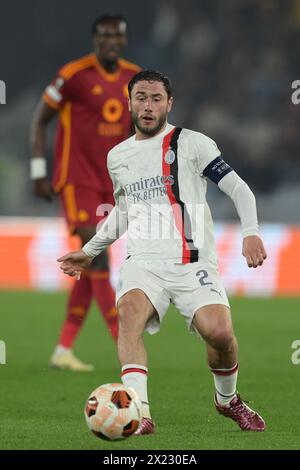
(58,92)
(244,201)
(210,163)
(115,224)
(117,188)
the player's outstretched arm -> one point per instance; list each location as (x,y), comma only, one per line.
(212,166)
(254,251)
(244,201)
(113,227)
(38,172)
(74,262)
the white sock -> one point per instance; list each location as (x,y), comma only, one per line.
(61,349)
(225,384)
(135,376)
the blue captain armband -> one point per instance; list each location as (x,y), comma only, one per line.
(216,170)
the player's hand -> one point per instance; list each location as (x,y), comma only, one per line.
(254,251)
(42,188)
(75,262)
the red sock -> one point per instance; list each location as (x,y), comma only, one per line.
(78,305)
(105,297)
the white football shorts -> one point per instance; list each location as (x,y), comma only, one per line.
(187,286)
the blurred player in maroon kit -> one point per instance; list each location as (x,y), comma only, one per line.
(90,96)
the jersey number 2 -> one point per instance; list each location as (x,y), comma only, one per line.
(203,275)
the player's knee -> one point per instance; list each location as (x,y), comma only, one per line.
(128,311)
(132,315)
(221,338)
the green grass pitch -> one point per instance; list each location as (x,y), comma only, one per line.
(42,408)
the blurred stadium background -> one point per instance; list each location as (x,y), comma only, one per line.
(232,64)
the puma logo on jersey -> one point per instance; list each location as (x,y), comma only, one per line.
(217,291)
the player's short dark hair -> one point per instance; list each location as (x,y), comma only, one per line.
(106,19)
(149,76)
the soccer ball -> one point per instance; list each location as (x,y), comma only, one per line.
(113,411)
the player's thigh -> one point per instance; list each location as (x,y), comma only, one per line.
(135,310)
(199,288)
(135,278)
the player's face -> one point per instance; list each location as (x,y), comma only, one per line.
(110,40)
(149,106)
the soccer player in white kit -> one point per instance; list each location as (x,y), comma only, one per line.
(159,177)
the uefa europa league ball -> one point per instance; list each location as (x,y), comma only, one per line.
(113,411)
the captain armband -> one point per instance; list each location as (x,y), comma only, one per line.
(217,169)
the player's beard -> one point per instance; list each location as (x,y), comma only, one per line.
(146,130)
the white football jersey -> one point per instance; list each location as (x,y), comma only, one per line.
(162,183)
